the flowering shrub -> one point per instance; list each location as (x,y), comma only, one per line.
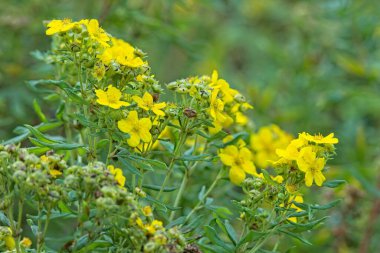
(129,165)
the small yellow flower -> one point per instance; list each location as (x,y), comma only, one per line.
(240,161)
(298,199)
(146,103)
(319,139)
(147,210)
(266,141)
(291,152)
(153,227)
(118,175)
(228,94)
(53,172)
(216,106)
(96,32)
(26,242)
(56,26)
(122,53)
(138,129)
(8,238)
(139,222)
(312,166)
(110,97)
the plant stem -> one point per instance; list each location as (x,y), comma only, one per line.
(180,192)
(177,149)
(210,189)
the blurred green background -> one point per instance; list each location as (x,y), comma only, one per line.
(305,65)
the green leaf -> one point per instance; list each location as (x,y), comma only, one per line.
(334,183)
(38,110)
(58,145)
(153,164)
(38,150)
(298,237)
(129,166)
(301,227)
(196,157)
(326,206)
(16,139)
(231,232)
(158,187)
(40,136)
(252,236)
(212,235)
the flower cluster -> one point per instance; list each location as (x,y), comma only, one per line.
(135,154)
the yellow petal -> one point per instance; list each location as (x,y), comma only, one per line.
(124,125)
(236,175)
(134,140)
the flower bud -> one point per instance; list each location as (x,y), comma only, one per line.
(149,247)
(190,113)
(239,98)
(172,86)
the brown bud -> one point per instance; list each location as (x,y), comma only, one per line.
(155,96)
(190,113)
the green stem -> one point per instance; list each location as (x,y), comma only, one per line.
(110,146)
(210,189)
(13,228)
(180,193)
(177,149)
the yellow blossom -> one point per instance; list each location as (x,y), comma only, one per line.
(146,103)
(266,141)
(228,94)
(26,242)
(240,161)
(118,175)
(291,152)
(216,106)
(312,166)
(147,210)
(319,139)
(110,97)
(153,227)
(8,239)
(97,33)
(298,199)
(122,53)
(138,129)
(52,171)
(56,26)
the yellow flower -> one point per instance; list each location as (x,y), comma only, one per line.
(110,97)
(8,238)
(56,26)
(319,139)
(228,94)
(138,129)
(122,53)
(26,242)
(298,199)
(53,172)
(139,222)
(147,210)
(240,161)
(312,166)
(96,32)
(153,227)
(146,103)
(278,179)
(118,175)
(266,141)
(216,106)
(291,152)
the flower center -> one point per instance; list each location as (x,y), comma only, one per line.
(112,98)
